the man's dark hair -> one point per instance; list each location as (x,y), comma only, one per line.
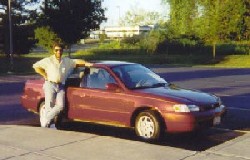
(56,44)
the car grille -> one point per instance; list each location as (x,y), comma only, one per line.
(209,107)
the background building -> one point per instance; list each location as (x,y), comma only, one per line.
(114,32)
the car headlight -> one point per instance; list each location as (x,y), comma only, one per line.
(185,108)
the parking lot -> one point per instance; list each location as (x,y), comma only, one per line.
(232,85)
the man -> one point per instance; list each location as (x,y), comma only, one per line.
(55,70)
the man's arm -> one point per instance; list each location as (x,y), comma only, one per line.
(82,63)
(41,71)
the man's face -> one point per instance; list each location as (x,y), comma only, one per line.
(58,52)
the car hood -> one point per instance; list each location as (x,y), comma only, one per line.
(181,95)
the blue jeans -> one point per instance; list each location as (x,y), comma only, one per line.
(54,100)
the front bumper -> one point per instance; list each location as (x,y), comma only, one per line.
(187,122)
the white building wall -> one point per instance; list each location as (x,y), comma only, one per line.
(120,32)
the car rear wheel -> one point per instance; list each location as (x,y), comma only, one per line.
(148,126)
(42,114)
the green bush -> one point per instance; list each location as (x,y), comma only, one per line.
(46,37)
(111,45)
(243,49)
(102,37)
(132,40)
(151,41)
(184,44)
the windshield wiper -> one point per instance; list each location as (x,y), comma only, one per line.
(152,86)
(159,85)
(141,87)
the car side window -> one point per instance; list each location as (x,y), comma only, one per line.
(96,78)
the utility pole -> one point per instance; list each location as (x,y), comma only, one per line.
(1,34)
(10,38)
(119,13)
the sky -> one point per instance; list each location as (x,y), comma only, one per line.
(116,8)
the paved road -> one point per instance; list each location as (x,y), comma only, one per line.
(11,111)
(231,84)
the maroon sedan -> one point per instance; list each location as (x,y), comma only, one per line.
(130,95)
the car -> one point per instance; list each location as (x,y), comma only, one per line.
(131,95)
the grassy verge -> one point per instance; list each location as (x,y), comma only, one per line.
(23,64)
(234,61)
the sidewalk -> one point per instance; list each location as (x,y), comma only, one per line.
(35,143)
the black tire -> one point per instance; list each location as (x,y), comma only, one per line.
(148,126)
(58,120)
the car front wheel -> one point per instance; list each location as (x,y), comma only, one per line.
(147,125)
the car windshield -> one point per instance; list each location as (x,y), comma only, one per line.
(136,76)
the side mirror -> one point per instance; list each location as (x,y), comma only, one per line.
(113,87)
(173,86)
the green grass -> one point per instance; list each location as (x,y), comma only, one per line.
(23,64)
(235,61)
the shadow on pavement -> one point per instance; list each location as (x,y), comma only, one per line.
(197,141)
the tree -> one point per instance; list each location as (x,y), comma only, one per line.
(151,41)
(22,35)
(72,20)
(137,16)
(213,21)
(246,24)
(182,16)
(46,37)
(219,20)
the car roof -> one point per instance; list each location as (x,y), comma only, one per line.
(112,63)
